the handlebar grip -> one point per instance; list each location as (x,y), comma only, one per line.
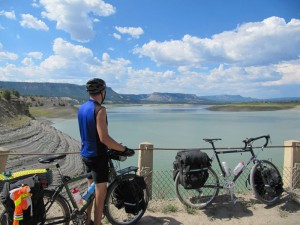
(249,140)
(267,137)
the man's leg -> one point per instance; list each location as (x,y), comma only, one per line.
(101,189)
(89,209)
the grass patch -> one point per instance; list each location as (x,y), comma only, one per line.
(17,121)
(191,210)
(169,208)
(255,106)
(54,112)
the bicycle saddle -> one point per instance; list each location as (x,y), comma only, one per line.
(51,158)
(211,139)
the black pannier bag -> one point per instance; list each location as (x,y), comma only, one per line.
(274,184)
(38,207)
(192,167)
(130,195)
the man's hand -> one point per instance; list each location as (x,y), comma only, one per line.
(128,152)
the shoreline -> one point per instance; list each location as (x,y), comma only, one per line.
(69,112)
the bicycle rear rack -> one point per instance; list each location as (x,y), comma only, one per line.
(127,170)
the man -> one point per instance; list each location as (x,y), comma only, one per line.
(95,140)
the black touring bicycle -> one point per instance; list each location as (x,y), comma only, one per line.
(126,200)
(197,184)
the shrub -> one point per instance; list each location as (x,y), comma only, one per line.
(7,95)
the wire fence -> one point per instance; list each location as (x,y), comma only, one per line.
(163,185)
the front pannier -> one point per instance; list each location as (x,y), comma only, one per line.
(268,181)
(34,214)
(192,167)
(130,195)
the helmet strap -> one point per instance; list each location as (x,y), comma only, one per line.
(103,96)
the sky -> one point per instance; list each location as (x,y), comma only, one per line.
(204,47)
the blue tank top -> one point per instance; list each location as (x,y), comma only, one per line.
(91,145)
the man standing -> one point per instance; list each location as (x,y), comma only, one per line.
(95,140)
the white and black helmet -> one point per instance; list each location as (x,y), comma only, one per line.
(95,86)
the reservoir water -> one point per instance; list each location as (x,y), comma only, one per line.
(184,126)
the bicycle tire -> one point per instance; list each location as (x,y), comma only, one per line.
(119,216)
(4,218)
(199,198)
(263,190)
(58,211)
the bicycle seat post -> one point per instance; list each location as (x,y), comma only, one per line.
(58,168)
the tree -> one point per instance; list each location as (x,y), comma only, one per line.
(16,93)
(7,95)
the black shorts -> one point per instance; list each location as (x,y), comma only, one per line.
(98,166)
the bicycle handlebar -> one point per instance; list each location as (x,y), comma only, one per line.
(249,140)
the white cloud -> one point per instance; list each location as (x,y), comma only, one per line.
(112,71)
(9,15)
(30,21)
(27,61)
(269,41)
(76,17)
(35,55)
(8,56)
(135,32)
(68,59)
(68,63)
(290,74)
(117,36)
(35,4)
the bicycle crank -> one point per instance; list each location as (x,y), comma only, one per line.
(80,219)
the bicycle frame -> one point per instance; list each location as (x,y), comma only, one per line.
(66,180)
(248,148)
(216,155)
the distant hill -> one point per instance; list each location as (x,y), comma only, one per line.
(171,98)
(229,98)
(73,91)
(79,93)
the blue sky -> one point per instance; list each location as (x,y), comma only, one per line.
(203,47)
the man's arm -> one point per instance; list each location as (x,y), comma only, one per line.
(103,132)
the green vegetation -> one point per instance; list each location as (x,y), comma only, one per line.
(169,208)
(17,121)
(54,112)
(7,94)
(255,106)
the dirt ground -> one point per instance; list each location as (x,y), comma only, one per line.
(246,211)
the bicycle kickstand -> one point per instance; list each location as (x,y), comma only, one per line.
(230,188)
(233,198)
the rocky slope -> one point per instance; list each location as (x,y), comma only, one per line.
(31,141)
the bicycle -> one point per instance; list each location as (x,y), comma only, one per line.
(61,211)
(266,186)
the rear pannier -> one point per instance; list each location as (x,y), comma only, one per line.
(192,167)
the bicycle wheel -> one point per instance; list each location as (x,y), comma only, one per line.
(199,198)
(266,182)
(118,215)
(59,211)
(4,218)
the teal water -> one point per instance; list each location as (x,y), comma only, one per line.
(185,126)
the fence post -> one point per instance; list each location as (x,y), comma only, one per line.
(291,170)
(145,163)
(3,159)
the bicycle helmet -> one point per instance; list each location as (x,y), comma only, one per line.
(95,86)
